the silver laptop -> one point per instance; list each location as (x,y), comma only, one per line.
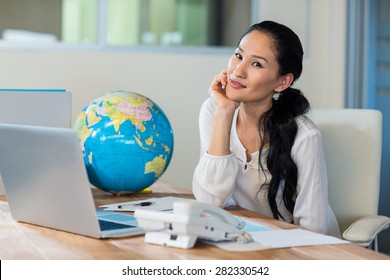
(43,107)
(46,183)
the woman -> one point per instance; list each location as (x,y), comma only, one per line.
(258,149)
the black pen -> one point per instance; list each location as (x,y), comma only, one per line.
(141,204)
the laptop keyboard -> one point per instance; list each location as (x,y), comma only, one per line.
(107,225)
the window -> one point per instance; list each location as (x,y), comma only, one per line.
(126,23)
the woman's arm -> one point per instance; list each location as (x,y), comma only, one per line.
(224,110)
(215,175)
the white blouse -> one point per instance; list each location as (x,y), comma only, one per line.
(221,180)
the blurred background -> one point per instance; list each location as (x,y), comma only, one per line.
(169,50)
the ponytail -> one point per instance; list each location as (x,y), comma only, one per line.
(280,128)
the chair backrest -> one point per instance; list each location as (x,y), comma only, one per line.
(353,145)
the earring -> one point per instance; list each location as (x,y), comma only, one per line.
(276,95)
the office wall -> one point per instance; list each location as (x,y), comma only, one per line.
(178,82)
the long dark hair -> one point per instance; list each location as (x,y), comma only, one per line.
(277,126)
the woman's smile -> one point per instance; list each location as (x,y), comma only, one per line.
(236,85)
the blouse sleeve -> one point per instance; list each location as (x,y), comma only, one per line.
(214,176)
(311,206)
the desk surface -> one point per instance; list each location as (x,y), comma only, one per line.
(24,241)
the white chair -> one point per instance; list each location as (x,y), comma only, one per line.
(353,144)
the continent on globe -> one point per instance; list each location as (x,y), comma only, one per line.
(127,141)
(157,165)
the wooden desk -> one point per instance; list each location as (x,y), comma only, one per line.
(24,241)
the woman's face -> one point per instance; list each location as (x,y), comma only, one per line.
(253,72)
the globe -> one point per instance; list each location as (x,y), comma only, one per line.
(127,141)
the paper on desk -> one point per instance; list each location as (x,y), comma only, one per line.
(272,239)
(158,204)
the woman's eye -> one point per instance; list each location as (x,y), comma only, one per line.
(237,55)
(257,64)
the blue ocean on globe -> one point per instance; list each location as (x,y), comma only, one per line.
(127,141)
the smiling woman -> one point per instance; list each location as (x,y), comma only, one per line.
(260,151)
(127,22)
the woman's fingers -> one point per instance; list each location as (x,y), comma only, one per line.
(221,80)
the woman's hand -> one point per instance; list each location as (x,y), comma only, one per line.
(223,116)
(217,91)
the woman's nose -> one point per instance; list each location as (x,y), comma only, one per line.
(239,70)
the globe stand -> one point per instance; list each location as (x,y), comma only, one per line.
(126,193)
